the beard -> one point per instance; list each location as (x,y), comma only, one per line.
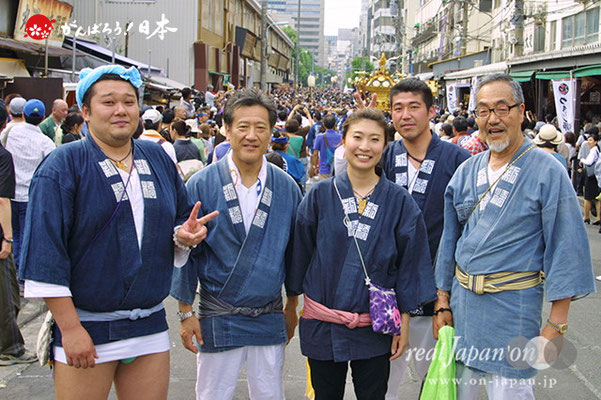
(497,146)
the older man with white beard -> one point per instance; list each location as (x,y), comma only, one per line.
(506,226)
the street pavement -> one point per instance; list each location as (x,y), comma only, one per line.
(581,380)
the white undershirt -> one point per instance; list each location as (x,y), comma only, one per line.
(122,349)
(494,175)
(248,198)
(412,173)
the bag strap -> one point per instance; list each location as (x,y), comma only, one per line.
(496,181)
(349,226)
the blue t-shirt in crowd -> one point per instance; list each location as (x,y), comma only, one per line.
(333,138)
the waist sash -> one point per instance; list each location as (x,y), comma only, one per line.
(315,310)
(117,315)
(499,281)
(211,306)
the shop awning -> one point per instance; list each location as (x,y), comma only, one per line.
(522,76)
(590,70)
(12,67)
(31,48)
(553,75)
(106,55)
(500,67)
(169,84)
(424,76)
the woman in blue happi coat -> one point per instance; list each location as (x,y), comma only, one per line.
(335,327)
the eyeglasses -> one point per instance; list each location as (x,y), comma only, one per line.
(502,110)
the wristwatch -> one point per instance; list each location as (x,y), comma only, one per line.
(184,316)
(561,328)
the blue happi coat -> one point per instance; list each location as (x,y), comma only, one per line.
(530,222)
(243,270)
(441,161)
(326,267)
(73,194)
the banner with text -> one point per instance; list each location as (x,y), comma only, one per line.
(564,92)
(452,98)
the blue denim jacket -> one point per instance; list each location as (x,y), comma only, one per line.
(74,194)
(530,222)
(243,270)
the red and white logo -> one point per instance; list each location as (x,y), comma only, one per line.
(38,27)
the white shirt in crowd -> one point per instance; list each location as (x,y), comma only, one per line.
(28,147)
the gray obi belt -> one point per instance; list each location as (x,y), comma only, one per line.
(211,306)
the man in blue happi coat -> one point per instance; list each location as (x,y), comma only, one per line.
(241,264)
(102,255)
(508,225)
(423,164)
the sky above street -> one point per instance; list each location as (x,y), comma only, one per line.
(341,14)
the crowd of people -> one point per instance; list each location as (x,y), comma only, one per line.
(391,225)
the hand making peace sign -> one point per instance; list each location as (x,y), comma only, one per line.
(194,231)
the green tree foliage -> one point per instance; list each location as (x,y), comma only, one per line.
(360,64)
(306,63)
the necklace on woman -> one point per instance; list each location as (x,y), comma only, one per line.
(363,199)
(121,164)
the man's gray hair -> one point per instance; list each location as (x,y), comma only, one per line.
(518,95)
(249,97)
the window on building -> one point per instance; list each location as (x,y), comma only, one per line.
(539,38)
(580,29)
(553,34)
(592,25)
(485,6)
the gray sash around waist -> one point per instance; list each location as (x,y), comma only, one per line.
(211,306)
(118,315)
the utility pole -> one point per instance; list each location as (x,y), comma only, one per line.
(518,47)
(298,22)
(264,45)
(464,24)
(399,35)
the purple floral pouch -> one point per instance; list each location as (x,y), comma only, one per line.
(383,310)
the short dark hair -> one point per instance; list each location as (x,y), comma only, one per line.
(292,126)
(329,121)
(168,116)
(414,86)
(186,92)
(3,115)
(448,129)
(151,126)
(34,120)
(249,97)
(460,124)
(105,77)
(570,138)
(594,135)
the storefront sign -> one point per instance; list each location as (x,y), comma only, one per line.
(452,98)
(564,92)
(41,19)
(472,105)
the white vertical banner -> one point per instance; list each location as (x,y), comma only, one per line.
(472,105)
(452,98)
(564,91)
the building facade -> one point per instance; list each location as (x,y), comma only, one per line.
(204,42)
(311,29)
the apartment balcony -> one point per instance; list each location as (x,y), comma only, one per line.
(426,32)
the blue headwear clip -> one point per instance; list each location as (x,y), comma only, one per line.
(88,76)
(280,140)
